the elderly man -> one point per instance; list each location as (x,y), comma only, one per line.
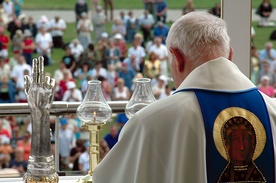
(268,53)
(216,127)
(44,44)
(99,20)
(146,22)
(57,27)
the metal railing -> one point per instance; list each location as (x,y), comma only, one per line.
(57,109)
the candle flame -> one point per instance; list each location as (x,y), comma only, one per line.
(94,116)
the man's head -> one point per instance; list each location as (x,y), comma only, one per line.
(121,82)
(2,61)
(63,123)
(66,74)
(1,124)
(71,85)
(2,30)
(43,29)
(124,67)
(158,41)
(30,20)
(162,81)
(79,143)
(27,136)
(266,65)
(160,24)
(268,46)
(113,131)
(76,42)
(16,131)
(21,60)
(84,15)
(98,65)
(57,17)
(104,36)
(99,9)
(146,13)
(122,14)
(130,13)
(193,39)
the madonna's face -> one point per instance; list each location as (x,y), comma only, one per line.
(240,146)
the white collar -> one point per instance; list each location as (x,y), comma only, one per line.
(219,74)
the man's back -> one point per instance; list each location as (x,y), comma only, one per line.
(216,127)
(175,125)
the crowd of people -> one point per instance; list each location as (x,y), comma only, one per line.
(263,68)
(133,48)
(115,57)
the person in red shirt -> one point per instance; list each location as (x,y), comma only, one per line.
(25,143)
(63,83)
(28,46)
(121,44)
(4,41)
(3,131)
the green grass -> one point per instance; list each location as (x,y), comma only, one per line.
(118,4)
(262,35)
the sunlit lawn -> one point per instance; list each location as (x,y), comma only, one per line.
(119,4)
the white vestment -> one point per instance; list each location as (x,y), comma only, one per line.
(165,142)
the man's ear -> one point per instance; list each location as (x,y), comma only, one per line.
(231,54)
(179,58)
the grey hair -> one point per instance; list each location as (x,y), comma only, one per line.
(199,35)
(268,44)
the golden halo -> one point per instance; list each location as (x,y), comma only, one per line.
(231,112)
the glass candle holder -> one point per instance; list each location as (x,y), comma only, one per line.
(141,97)
(94,112)
(94,108)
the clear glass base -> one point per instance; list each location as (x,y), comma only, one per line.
(41,166)
(41,169)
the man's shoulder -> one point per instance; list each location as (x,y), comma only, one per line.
(103,69)
(141,48)
(262,51)
(26,66)
(164,47)
(78,91)
(152,47)
(131,49)
(107,137)
(183,103)
(82,156)
(273,50)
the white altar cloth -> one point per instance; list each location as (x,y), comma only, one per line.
(62,179)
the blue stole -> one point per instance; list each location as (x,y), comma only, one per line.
(211,104)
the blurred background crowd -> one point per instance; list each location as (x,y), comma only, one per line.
(114,50)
